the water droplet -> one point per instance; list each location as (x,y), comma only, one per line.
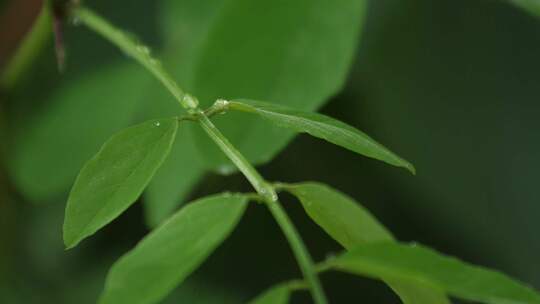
(157,124)
(221,103)
(268,193)
(143,49)
(274,196)
(191,101)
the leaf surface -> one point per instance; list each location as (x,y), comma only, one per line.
(323,127)
(350,224)
(279,294)
(116,176)
(532,6)
(414,263)
(165,257)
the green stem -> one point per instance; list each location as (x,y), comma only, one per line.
(300,251)
(261,186)
(29,49)
(133,48)
(268,193)
(142,54)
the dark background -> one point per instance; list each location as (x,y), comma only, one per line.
(452,86)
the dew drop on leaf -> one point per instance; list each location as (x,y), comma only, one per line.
(143,50)
(155,63)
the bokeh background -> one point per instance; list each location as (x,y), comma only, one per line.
(452,85)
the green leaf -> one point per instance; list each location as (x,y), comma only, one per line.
(164,258)
(289,52)
(51,146)
(116,176)
(350,224)
(186,26)
(340,216)
(279,294)
(532,6)
(417,292)
(324,127)
(174,180)
(415,263)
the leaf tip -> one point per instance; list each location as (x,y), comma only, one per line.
(69,243)
(70,240)
(406,165)
(69,246)
(411,168)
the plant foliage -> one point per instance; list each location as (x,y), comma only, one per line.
(117,175)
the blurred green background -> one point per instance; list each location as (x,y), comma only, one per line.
(451,85)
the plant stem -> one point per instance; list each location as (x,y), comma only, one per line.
(133,48)
(268,193)
(28,50)
(142,54)
(300,251)
(261,186)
